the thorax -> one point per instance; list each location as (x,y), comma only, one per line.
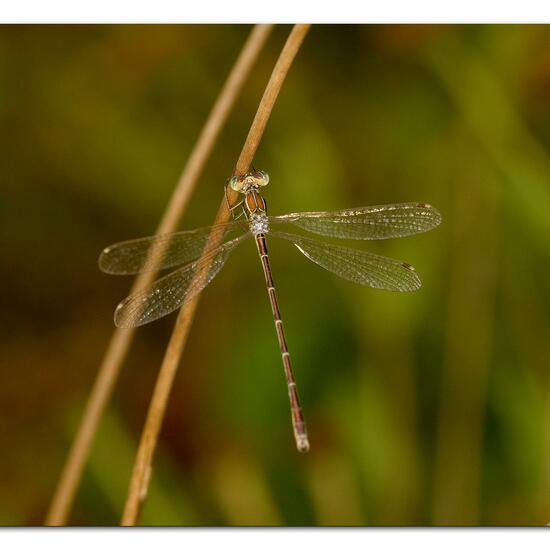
(256,211)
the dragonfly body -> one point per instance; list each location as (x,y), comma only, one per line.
(200,262)
(255,210)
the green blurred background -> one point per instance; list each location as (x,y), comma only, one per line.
(423,408)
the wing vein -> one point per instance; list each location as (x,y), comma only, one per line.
(159,252)
(173,290)
(357,266)
(367,223)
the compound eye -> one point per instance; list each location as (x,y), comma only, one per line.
(263,178)
(235,183)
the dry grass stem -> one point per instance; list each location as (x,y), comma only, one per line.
(140,478)
(122,338)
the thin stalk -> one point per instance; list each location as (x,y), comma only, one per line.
(142,467)
(122,338)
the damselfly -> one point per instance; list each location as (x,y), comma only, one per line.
(199,264)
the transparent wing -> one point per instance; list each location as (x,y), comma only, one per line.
(357,266)
(161,251)
(368,222)
(167,294)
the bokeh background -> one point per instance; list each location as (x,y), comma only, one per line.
(423,408)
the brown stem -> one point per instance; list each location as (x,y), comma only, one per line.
(142,466)
(122,338)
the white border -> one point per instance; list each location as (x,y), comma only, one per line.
(285,11)
(274,539)
(280,11)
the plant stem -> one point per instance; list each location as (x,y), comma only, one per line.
(122,338)
(142,467)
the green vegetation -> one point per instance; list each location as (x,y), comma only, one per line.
(431,407)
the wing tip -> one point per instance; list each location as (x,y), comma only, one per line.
(121,317)
(436,214)
(118,318)
(415,283)
(103,260)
